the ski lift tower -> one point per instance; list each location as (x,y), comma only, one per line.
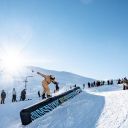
(26,80)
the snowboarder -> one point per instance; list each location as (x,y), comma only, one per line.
(14,95)
(45,84)
(3,96)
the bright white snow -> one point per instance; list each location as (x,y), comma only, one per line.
(101,107)
(98,107)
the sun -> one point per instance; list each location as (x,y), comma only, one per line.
(12,62)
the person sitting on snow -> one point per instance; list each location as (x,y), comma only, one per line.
(45,84)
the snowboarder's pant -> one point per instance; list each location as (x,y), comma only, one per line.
(46,90)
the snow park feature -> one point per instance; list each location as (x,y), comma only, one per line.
(37,110)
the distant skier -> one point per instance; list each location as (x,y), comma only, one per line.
(3,96)
(13,95)
(45,84)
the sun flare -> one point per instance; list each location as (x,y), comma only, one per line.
(12,62)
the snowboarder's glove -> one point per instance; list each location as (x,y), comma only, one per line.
(54,82)
(38,72)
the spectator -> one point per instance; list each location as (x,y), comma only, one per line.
(111,82)
(3,96)
(83,86)
(14,95)
(119,81)
(98,83)
(103,82)
(125,84)
(23,95)
(92,85)
(108,82)
(89,85)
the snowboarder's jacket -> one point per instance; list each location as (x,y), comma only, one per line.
(47,80)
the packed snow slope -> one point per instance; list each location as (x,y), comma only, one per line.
(17,80)
(99,107)
(62,76)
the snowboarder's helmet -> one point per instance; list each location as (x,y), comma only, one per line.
(52,77)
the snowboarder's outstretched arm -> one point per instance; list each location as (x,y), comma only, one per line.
(41,74)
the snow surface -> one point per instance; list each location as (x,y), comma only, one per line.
(98,107)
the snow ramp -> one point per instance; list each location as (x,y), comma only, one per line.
(83,111)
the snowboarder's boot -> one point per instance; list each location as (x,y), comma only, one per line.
(48,96)
(43,96)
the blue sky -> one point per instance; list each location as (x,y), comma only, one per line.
(87,37)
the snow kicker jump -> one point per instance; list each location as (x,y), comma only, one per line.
(37,110)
